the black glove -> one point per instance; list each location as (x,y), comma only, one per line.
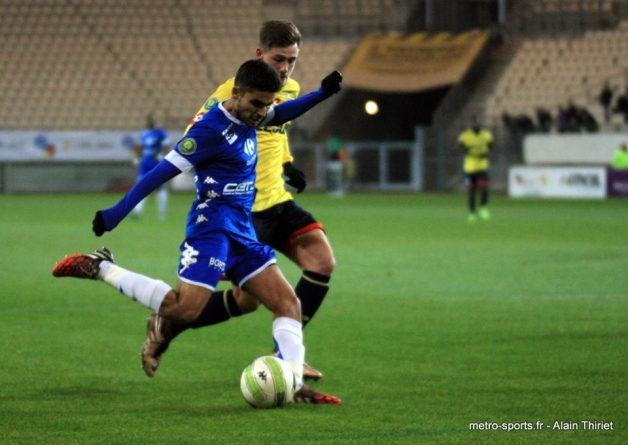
(98,224)
(331,83)
(296,178)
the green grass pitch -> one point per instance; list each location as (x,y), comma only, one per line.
(433,329)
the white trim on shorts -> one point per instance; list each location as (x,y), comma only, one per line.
(257,271)
(197,283)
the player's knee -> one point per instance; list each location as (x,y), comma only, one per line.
(326,266)
(286,306)
(320,260)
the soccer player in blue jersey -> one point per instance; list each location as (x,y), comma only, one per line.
(220,238)
(153,143)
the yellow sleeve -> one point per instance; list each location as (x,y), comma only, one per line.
(223,92)
(287,156)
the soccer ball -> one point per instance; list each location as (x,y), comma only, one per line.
(268,382)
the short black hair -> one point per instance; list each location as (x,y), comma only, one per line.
(257,75)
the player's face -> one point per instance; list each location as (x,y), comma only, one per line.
(283,59)
(252,106)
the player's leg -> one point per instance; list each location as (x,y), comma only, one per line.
(174,310)
(470,187)
(162,202)
(483,191)
(224,252)
(146,165)
(293,231)
(244,303)
(216,308)
(99,265)
(176,314)
(194,305)
(313,254)
(276,294)
(139,208)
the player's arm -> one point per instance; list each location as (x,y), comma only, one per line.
(108,219)
(489,146)
(292,109)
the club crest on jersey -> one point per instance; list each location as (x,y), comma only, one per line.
(187,146)
(210,103)
(249,147)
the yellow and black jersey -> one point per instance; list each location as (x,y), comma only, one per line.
(477,144)
(272,147)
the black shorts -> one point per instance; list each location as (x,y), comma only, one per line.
(477,179)
(279,225)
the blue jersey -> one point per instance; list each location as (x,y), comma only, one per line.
(223,152)
(153,141)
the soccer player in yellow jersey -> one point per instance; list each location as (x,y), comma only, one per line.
(476,143)
(278,220)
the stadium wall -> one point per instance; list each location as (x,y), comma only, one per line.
(99,161)
(568,166)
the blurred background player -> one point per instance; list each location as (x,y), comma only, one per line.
(620,158)
(154,142)
(278,220)
(336,156)
(476,143)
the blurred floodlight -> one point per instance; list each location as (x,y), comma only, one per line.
(371,107)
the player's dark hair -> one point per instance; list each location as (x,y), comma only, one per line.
(275,33)
(257,75)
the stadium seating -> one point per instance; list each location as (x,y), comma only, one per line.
(551,71)
(105,64)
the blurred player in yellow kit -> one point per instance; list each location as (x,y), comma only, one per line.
(476,143)
(279,222)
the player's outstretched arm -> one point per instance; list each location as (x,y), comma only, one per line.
(108,219)
(292,109)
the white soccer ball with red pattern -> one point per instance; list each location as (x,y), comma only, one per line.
(268,382)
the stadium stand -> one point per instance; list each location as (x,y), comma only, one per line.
(551,71)
(106,64)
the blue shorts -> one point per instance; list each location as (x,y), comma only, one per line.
(204,260)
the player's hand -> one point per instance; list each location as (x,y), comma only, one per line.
(331,83)
(98,224)
(296,178)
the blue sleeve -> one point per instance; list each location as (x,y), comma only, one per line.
(292,109)
(162,173)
